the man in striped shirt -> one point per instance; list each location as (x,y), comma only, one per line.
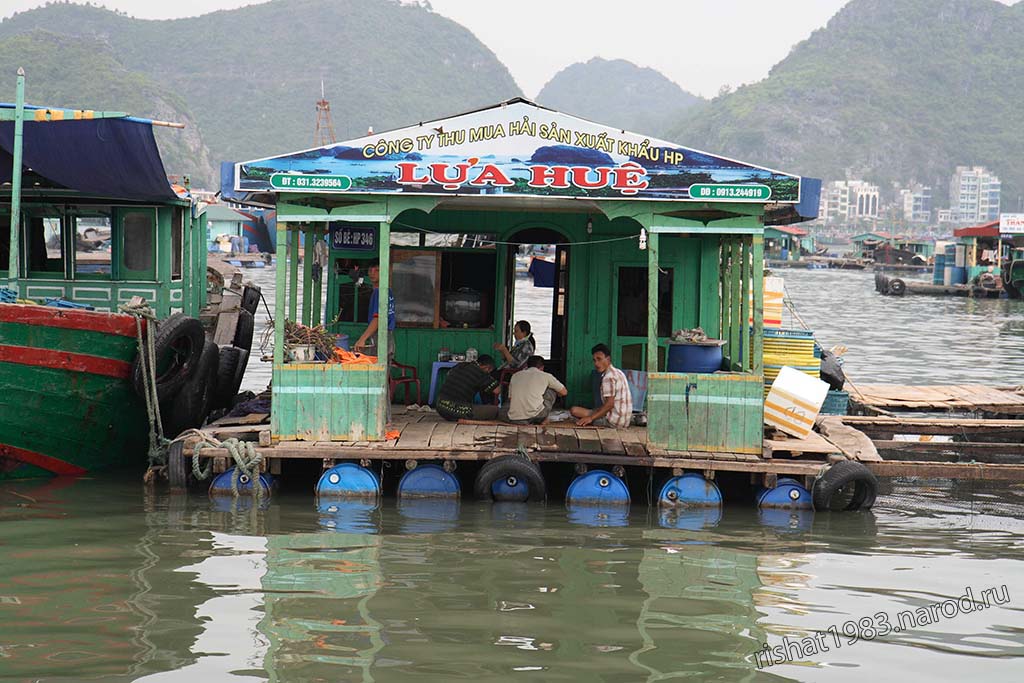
(617,409)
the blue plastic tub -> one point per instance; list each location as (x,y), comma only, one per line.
(684,357)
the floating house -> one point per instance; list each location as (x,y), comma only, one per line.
(222,224)
(977,250)
(787,243)
(652,237)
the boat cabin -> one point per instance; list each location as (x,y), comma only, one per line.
(91,238)
(648,237)
(787,243)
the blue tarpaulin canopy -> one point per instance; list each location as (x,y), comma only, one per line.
(106,157)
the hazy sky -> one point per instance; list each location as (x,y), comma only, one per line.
(700,44)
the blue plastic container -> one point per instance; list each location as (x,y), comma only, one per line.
(958,275)
(683,357)
(341,342)
(836,403)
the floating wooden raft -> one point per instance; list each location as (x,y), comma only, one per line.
(964,398)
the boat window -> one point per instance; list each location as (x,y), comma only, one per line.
(177,243)
(632,302)
(43,237)
(467,288)
(139,240)
(414,283)
(92,242)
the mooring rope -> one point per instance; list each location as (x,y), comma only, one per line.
(247,460)
(158,444)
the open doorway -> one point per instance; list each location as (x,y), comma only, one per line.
(538,291)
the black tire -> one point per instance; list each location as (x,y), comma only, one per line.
(251,299)
(230,370)
(192,404)
(832,491)
(179,346)
(177,466)
(897,287)
(508,466)
(244,330)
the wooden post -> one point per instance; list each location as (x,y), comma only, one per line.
(14,260)
(293,276)
(652,302)
(736,307)
(745,282)
(757,275)
(280,293)
(309,236)
(384,254)
(318,289)
(726,293)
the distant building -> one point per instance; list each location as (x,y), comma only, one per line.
(974,195)
(848,200)
(944,216)
(916,203)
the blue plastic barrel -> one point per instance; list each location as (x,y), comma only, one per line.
(958,275)
(683,357)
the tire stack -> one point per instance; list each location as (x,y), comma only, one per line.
(193,375)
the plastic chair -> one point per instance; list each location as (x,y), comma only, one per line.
(407,378)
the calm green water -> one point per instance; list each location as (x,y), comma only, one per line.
(100,580)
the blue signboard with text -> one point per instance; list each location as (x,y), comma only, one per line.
(350,237)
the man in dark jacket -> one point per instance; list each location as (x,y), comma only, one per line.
(464,381)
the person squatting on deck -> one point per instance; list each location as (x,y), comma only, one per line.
(464,381)
(532,393)
(617,409)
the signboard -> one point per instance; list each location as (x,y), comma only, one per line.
(1011,224)
(519,149)
(353,237)
(309,182)
(726,192)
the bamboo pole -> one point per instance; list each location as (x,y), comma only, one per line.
(757,257)
(280,293)
(293,275)
(14,259)
(652,302)
(309,237)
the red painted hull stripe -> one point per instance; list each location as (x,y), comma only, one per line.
(48,316)
(46,462)
(65,360)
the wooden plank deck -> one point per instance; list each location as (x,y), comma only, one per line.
(952,397)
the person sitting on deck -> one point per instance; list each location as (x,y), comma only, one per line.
(532,393)
(464,381)
(523,347)
(617,409)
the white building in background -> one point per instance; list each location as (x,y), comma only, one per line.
(848,200)
(916,203)
(974,195)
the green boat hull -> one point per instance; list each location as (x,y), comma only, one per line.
(67,405)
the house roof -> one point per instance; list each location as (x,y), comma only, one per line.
(990,229)
(789,230)
(520,149)
(220,212)
(872,236)
(114,155)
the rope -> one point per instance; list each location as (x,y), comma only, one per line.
(247,460)
(158,444)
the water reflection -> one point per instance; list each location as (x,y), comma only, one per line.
(100,581)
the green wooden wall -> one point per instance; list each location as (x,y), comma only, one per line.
(327,402)
(707,413)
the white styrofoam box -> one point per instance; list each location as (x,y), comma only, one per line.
(794,401)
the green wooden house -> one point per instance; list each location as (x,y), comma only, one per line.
(650,237)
